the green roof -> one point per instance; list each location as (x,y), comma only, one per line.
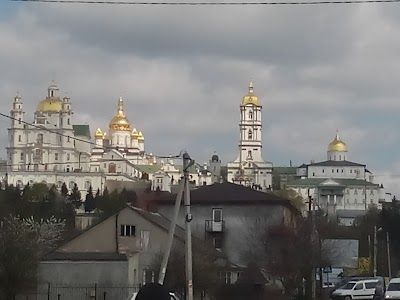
(148,169)
(284,170)
(82,130)
(317,181)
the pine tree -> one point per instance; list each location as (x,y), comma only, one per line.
(75,197)
(90,201)
(64,190)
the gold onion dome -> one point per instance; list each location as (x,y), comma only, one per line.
(140,136)
(52,103)
(337,144)
(119,122)
(99,133)
(250,98)
(134,133)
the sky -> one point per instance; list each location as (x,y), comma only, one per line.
(182,71)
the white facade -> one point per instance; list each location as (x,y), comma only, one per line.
(340,187)
(250,168)
(50,149)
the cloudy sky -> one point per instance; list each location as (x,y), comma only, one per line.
(183,70)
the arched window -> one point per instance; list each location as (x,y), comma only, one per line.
(250,115)
(112,168)
(250,135)
(71,185)
(40,138)
(88,184)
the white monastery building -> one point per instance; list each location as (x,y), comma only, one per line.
(341,188)
(249,168)
(53,150)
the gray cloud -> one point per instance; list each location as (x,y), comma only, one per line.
(182,72)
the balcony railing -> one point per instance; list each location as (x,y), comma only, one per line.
(215,226)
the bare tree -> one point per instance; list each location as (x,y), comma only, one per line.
(205,268)
(285,252)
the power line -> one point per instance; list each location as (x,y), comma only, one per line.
(209,3)
(78,139)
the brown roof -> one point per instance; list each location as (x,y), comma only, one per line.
(226,193)
(85,256)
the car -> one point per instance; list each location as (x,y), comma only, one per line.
(133,296)
(360,289)
(393,289)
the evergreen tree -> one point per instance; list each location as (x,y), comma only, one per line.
(64,190)
(90,200)
(75,196)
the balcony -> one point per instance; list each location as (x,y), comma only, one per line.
(215,226)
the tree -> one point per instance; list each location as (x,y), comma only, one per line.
(296,199)
(76,197)
(205,268)
(285,252)
(22,243)
(90,200)
(64,190)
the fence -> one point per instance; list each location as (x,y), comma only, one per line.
(94,292)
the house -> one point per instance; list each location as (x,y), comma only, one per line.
(118,252)
(225,214)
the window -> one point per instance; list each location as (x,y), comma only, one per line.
(22,156)
(40,138)
(342,171)
(333,171)
(323,170)
(217,215)
(226,277)
(88,184)
(68,122)
(128,230)
(249,154)
(250,115)
(337,170)
(217,242)
(19,138)
(55,156)
(340,157)
(372,192)
(351,171)
(19,121)
(68,156)
(148,276)
(313,174)
(370,285)
(250,135)
(38,152)
(359,286)
(68,139)
(144,240)
(71,185)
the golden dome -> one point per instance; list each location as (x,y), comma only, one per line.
(52,103)
(119,122)
(337,144)
(140,136)
(134,133)
(99,133)
(250,98)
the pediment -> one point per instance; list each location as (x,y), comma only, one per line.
(330,182)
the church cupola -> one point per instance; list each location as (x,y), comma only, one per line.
(337,149)
(119,122)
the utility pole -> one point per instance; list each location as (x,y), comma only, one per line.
(187,163)
(388,255)
(171,232)
(375,250)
